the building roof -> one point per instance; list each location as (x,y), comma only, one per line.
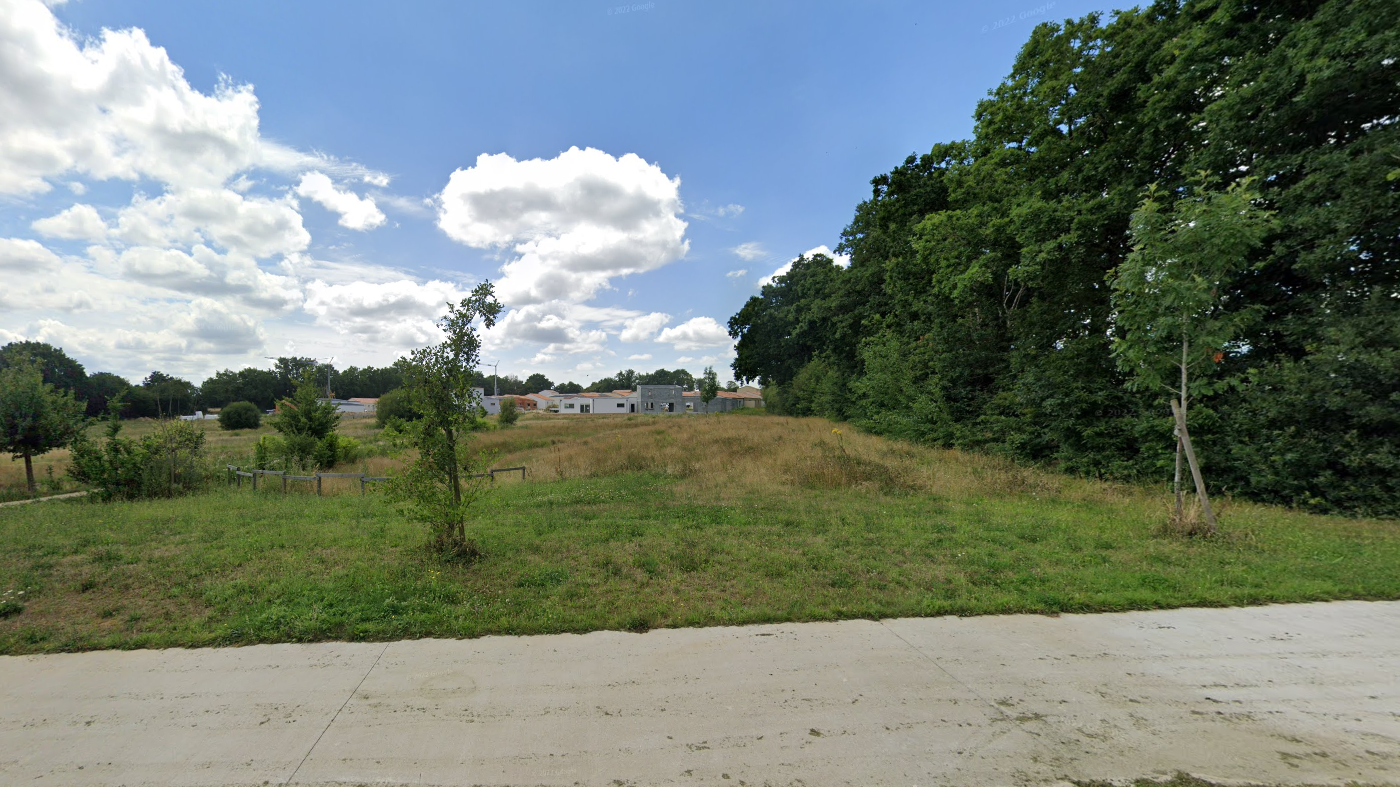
(623,392)
(365,399)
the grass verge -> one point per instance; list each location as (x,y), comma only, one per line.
(643,523)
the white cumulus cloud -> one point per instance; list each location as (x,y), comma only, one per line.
(400,313)
(644,328)
(80,222)
(356,213)
(841,260)
(696,334)
(573,223)
(255,226)
(207,273)
(20,254)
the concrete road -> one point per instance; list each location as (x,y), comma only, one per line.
(1285,694)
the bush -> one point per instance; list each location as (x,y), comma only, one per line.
(509,415)
(303,452)
(394,405)
(240,415)
(169,462)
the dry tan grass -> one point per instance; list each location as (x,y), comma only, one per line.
(725,454)
(718,456)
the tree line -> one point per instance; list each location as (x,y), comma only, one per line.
(985,304)
(161,394)
(164,394)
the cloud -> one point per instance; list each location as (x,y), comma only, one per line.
(841,260)
(401,313)
(640,329)
(80,222)
(204,327)
(739,274)
(205,272)
(753,250)
(558,325)
(356,213)
(640,357)
(574,222)
(695,334)
(253,226)
(412,206)
(706,213)
(18,254)
(211,245)
(115,107)
(118,107)
(211,327)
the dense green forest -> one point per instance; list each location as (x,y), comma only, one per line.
(976,310)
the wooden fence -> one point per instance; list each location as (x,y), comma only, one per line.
(236,475)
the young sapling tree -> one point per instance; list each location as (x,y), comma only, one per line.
(436,487)
(1171,304)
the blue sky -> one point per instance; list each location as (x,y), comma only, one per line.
(217,182)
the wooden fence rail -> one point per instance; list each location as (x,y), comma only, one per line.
(236,475)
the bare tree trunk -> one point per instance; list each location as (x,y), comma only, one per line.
(453,476)
(1176,480)
(29,472)
(1195,468)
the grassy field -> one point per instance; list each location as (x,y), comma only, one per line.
(50,470)
(634,522)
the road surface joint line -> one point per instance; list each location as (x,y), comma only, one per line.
(336,715)
(997,709)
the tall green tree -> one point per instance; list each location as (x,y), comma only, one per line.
(976,312)
(104,388)
(1171,301)
(538,382)
(35,417)
(58,369)
(438,381)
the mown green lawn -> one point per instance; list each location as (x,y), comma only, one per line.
(636,551)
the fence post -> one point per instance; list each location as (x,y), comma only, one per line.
(318,484)
(255,482)
(362,485)
(284,482)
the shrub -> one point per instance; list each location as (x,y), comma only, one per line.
(303,452)
(166,463)
(240,415)
(394,405)
(509,415)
